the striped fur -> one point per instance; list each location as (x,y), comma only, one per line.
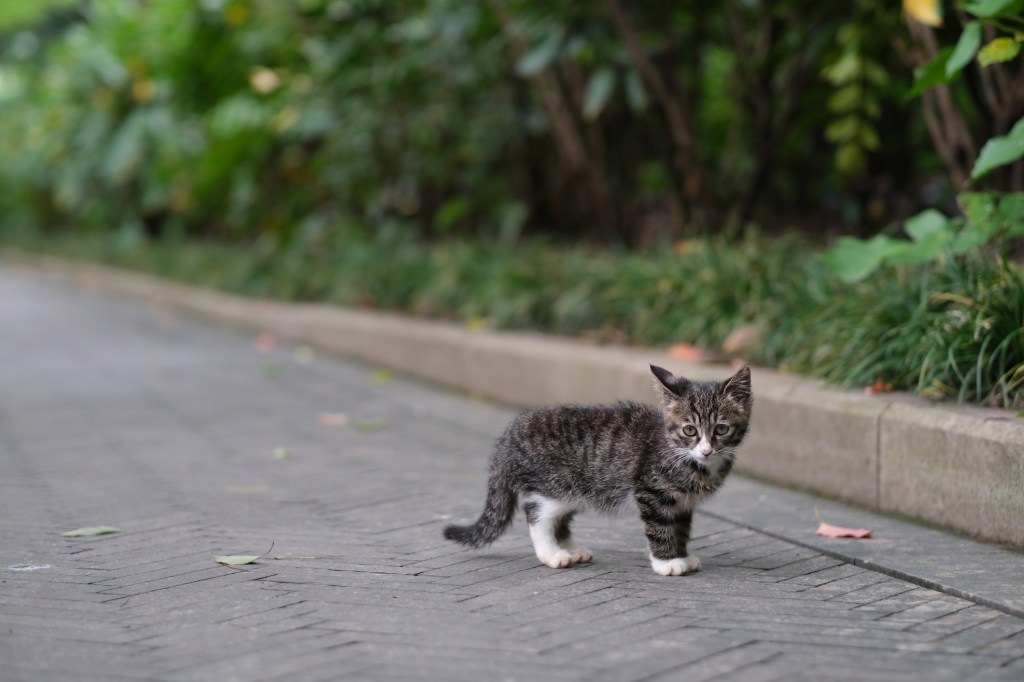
(570,458)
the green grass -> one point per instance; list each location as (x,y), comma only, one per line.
(953,329)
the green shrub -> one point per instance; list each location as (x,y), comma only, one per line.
(947,329)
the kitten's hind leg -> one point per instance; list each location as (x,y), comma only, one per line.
(563,536)
(549,530)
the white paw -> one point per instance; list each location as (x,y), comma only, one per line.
(564,558)
(677,566)
(581,555)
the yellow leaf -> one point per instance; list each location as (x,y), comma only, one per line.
(927,12)
(475,323)
(999,50)
(143,90)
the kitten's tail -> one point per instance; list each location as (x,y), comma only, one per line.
(496,517)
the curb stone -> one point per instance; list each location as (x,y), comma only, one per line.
(957,467)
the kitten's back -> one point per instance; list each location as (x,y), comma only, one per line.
(585,452)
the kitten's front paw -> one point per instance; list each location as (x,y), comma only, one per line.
(564,558)
(676,566)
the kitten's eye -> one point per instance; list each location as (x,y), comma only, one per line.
(690,430)
(721,429)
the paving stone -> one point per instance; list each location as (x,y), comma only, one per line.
(986,633)
(894,592)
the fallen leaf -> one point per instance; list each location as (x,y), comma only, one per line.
(271,370)
(265,342)
(370,425)
(240,559)
(91,530)
(27,567)
(829,531)
(477,324)
(685,351)
(304,355)
(743,339)
(336,419)
(236,559)
(381,376)
(878,387)
(283,453)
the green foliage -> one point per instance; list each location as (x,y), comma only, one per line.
(16,13)
(948,63)
(213,119)
(339,151)
(966,47)
(861,84)
(948,328)
(245,119)
(1000,151)
(933,72)
(990,220)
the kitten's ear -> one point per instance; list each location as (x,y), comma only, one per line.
(670,385)
(737,386)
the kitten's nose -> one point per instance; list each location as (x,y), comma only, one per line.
(706,449)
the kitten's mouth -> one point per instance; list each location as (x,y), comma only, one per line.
(694,456)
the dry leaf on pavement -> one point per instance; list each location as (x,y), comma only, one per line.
(265,342)
(829,531)
(685,351)
(336,419)
(240,559)
(91,530)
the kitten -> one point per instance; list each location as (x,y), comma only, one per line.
(568,458)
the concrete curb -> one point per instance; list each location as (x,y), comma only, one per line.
(961,468)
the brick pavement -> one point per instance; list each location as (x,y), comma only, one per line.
(114,414)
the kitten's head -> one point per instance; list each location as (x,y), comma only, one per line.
(705,420)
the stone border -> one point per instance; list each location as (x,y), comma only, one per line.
(960,468)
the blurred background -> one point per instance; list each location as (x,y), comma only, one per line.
(830,188)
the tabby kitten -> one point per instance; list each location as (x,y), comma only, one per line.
(568,458)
